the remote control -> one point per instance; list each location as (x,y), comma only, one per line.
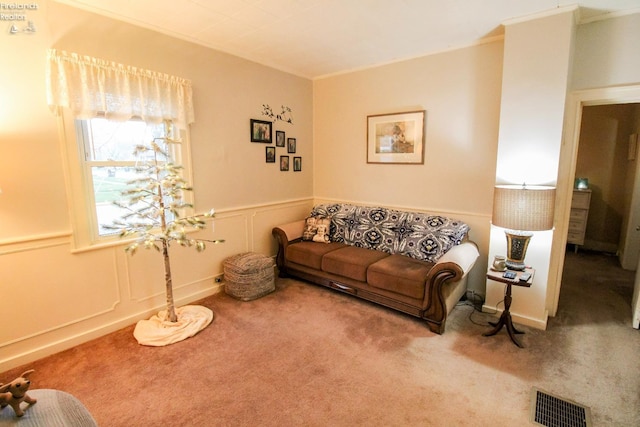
(525,276)
(509,275)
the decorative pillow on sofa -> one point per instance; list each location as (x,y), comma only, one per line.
(342,219)
(317,229)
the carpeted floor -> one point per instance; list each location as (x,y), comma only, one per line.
(305,355)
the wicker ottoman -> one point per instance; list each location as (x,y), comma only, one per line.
(248,276)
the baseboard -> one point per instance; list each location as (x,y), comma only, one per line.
(88,335)
(598,246)
(522,320)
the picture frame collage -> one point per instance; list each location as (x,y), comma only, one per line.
(262,132)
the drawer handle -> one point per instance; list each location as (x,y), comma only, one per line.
(340,287)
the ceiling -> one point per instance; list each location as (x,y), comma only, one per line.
(315,38)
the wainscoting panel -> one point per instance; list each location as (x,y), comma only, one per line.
(191,270)
(60,299)
(265,219)
(47,289)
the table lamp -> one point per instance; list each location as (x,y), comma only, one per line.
(521,209)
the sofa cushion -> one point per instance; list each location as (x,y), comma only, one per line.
(310,254)
(351,262)
(399,274)
(316,229)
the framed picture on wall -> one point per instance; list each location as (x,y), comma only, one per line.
(280,138)
(291,145)
(284,163)
(396,138)
(270,154)
(297,164)
(261,131)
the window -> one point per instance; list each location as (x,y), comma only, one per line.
(106,155)
(98,101)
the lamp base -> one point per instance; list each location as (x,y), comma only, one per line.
(517,243)
(513,265)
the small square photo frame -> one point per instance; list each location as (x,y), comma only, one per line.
(280,139)
(291,145)
(270,154)
(297,164)
(284,163)
(261,131)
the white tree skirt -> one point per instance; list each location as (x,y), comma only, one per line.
(159,332)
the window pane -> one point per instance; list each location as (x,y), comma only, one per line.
(116,141)
(108,184)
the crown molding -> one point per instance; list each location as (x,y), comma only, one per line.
(551,12)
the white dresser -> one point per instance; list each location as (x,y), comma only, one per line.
(578,218)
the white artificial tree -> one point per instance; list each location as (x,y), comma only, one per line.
(154,203)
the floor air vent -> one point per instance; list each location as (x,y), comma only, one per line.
(551,411)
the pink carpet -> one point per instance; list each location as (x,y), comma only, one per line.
(305,355)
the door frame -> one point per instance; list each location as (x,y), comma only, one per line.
(635,301)
(629,242)
(576,101)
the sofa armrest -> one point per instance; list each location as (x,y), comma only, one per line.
(463,255)
(452,267)
(285,234)
(290,231)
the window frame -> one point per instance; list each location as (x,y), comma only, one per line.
(79,182)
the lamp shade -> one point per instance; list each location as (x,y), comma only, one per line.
(526,208)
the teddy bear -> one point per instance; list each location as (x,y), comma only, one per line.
(15,392)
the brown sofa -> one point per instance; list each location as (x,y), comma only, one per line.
(409,261)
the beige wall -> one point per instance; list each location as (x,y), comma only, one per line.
(57,298)
(535,82)
(606,53)
(460,91)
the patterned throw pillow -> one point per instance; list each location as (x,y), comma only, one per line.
(342,219)
(316,229)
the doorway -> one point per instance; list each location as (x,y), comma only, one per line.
(568,161)
(606,164)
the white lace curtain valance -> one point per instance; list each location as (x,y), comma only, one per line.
(92,87)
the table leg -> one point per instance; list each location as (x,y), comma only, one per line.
(512,331)
(505,320)
(497,325)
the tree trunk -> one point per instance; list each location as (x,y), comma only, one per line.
(168,282)
(171,310)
